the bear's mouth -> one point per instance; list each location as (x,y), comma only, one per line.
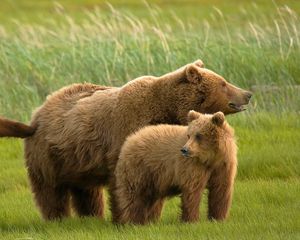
(237,107)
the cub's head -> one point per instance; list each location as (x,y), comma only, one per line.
(209,137)
(207,92)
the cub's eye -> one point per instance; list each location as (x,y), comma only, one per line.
(188,136)
(223,84)
(198,137)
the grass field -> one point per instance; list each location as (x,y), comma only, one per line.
(255,45)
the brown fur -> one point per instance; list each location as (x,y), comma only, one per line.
(151,168)
(81,128)
(10,128)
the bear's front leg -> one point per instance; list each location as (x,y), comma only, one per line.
(220,186)
(190,201)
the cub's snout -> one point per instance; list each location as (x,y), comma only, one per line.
(185,151)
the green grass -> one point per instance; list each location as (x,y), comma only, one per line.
(261,209)
(266,198)
(255,45)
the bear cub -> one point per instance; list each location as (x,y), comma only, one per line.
(162,161)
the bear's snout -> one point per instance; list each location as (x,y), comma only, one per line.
(248,95)
(185,151)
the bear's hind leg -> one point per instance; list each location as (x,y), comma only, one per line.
(155,210)
(53,201)
(137,213)
(88,202)
(131,211)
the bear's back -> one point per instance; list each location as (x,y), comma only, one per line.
(154,142)
(63,111)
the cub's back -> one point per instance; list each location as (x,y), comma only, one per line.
(153,143)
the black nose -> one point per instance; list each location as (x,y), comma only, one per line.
(248,95)
(185,151)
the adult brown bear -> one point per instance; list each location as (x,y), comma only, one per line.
(77,134)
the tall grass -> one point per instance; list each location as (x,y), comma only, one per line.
(254,46)
(258,53)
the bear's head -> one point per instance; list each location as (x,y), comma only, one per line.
(209,137)
(207,92)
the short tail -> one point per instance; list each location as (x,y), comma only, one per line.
(10,128)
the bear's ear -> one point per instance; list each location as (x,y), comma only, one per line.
(218,118)
(193,115)
(199,63)
(193,74)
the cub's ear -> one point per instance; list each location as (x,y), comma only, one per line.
(193,115)
(199,63)
(218,118)
(193,74)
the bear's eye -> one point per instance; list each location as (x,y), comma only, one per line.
(188,136)
(223,84)
(198,137)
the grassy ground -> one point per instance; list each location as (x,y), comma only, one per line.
(266,199)
(254,45)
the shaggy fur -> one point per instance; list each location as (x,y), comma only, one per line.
(151,168)
(80,129)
